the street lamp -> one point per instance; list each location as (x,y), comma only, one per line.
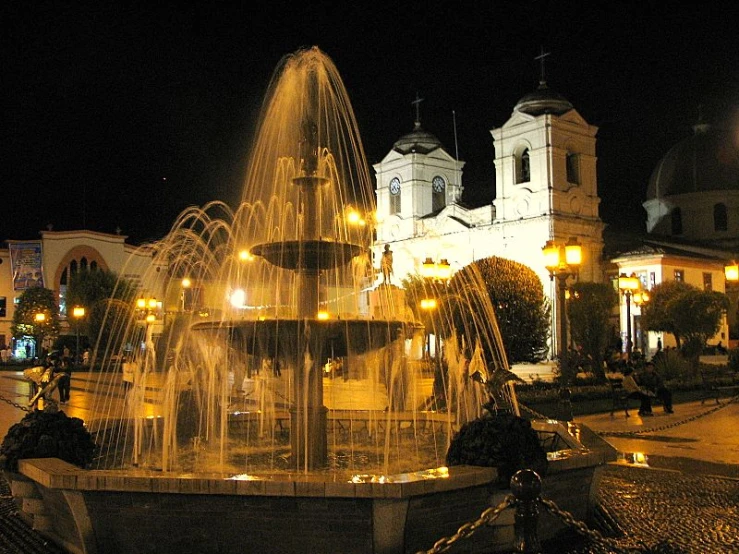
(563,261)
(440,272)
(78,312)
(628,285)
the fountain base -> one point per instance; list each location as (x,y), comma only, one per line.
(116,511)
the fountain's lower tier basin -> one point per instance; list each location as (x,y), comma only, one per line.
(113,511)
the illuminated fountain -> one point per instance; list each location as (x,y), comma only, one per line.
(236,394)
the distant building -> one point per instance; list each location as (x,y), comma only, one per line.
(50,261)
(692,205)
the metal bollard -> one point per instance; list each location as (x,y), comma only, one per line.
(526,487)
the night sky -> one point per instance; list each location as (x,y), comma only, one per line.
(120,116)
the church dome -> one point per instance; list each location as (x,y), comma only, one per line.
(706,161)
(417,140)
(543,101)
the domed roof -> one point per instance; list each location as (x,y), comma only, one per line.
(706,161)
(417,140)
(543,101)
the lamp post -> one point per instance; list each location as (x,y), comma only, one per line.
(78,312)
(147,308)
(436,274)
(731,272)
(186,284)
(40,319)
(628,285)
(641,297)
(563,261)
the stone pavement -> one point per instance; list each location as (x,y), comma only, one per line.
(674,490)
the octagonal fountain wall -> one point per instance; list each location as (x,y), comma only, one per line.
(285,397)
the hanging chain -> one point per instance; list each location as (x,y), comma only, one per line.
(468,529)
(668,426)
(598,543)
(15,404)
(651,429)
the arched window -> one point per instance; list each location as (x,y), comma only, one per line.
(720,221)
(573,168)
(83,264)
(677,221)
(523,167)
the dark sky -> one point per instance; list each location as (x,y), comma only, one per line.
(122,115)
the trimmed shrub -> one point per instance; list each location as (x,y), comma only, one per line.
(503,441)
(43,434)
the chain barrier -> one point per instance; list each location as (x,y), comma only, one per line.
(651,429)
(598,543)
(670,425)
(15,404)
(468,529)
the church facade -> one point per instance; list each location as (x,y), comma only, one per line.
(545,190)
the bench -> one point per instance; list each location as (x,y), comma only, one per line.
(619,397)
(716,382)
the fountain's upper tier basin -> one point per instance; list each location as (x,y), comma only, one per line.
(315,255)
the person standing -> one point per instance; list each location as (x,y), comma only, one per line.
(64,367)
(130,368)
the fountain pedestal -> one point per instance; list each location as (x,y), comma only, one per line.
(308,437)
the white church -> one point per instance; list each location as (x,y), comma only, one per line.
(546,190)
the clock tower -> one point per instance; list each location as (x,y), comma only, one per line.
(416,179)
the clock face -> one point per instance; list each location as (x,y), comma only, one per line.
(395,186)
(438,184)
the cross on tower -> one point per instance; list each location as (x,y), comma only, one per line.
(417,104)
(541,57)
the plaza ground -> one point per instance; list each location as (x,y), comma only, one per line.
(673,489)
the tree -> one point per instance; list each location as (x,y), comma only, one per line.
(688,313)
(520,306)
(655,314)
(697,317)
(108,302)
(589,310)
(32,303)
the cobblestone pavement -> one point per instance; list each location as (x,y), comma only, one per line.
(662,511)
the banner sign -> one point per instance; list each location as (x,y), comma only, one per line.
(25,263)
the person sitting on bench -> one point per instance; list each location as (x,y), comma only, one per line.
(635,391)
(652,381)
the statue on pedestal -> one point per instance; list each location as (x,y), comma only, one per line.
(386,265)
